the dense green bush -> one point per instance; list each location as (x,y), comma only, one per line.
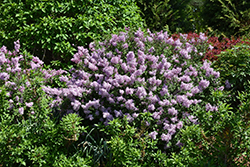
(222,138)
(234,68)
(52,30)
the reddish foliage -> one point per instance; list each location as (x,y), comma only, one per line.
(219,46)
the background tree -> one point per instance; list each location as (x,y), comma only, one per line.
(195,7)
(170,15)
(227,17)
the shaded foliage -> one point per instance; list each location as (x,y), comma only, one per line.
(172,15)
(227,17)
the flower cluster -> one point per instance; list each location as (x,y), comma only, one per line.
(21,77)
(136,72)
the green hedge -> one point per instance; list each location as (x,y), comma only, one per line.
(53,29)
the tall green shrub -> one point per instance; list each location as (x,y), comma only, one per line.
(168,14)
(194,15)
(53,29)
(227,17)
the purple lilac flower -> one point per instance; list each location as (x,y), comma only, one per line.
(160,37)
(125,46)
(2,58)
(87,111)
(179,125)
(139,33)
(209,107)
(111,100)
(4,76)
(29,104)
(171,129)
(117,51)
(129,117)
(193,119)
(204,83)
(173,102)
(108,70)
(151,107)
(92,67)
(185,54)
(165,137)
(165,102)
(141,45)
(166,125)
(135,115)
(228,85)
(17,46)
(141,92)
(21,111)
(118,113)
(115,60)
(34,65)
(63,78)
(90,117)
(202,36)
(130,105)
(21,89)
(122,38)
(37,60)
(177,43)
(153,99)
(185,78)
(179,144)
(107,86)
(156,115)
(103,92)
(172,111)
(174,119)
(153,135)
(28,84)
(130,56)
(164,91)
(129,91)
(185,86)
(151,50)
(195,90)
(124,67)
(76,58)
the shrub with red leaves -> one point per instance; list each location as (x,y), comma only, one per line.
(220,46)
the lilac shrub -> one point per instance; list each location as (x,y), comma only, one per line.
(139,72)
(29,135)
(21,76)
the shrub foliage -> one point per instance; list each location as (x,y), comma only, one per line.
(48,29)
